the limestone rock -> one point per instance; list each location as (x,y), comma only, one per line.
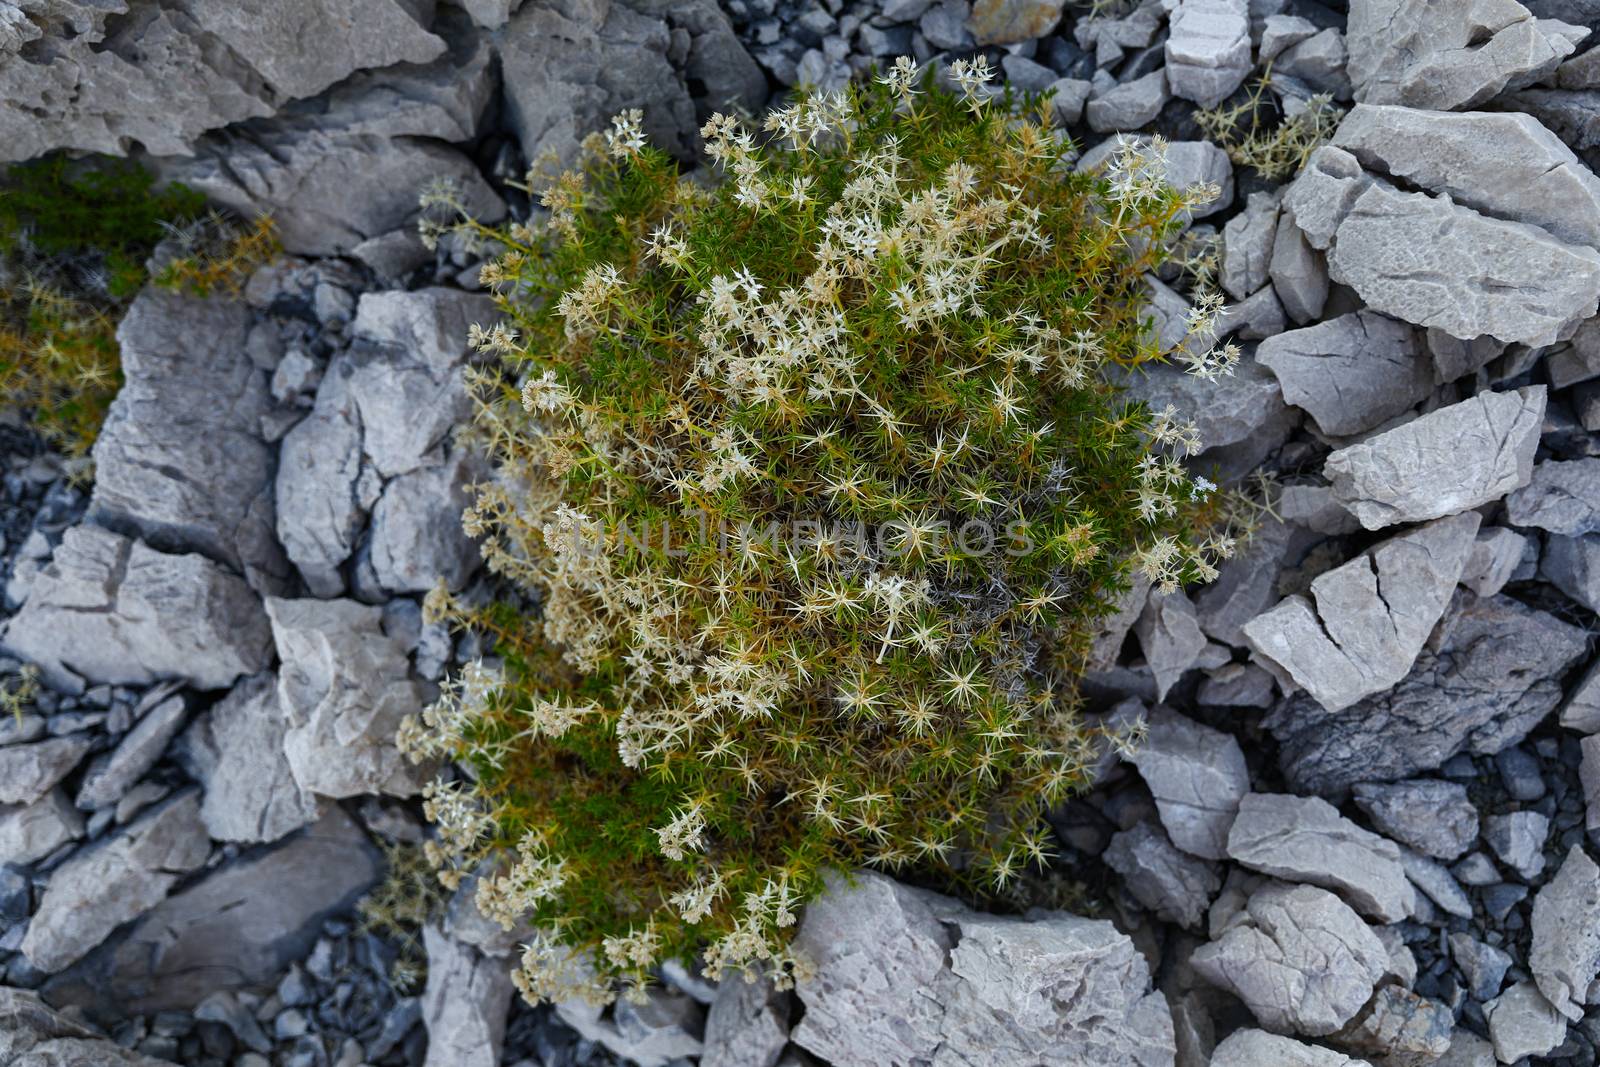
(1518,837)
(1170,637)
(465,1004)
(1298,957)
(33,1034)
(319,485)
(1299,272)
(1443,462)
(1247,582)
(29,771)
(1431,816)
(1493,677)
(1233,410)
(1351,373)
(1443,57)
(30,832)
(1572,565)
(180,462)
(1436,883)
(417,539)
(1247,244)
(1208,49)
(1177,887)
(344,688)
(1400,1029)
(661,1031)
(251,794)
(120,878)
(1370,616)
(1198,776)
(1523,1023)
(1305,839)
(1011,21)
(1565,957)
(1504,164)
(114,610)
(747,1026)
(1495,558)
(1257,1048)
(112,775)
(1128,105)
(1484,966)
(1581,711)
(1562,497)
(1467,1049)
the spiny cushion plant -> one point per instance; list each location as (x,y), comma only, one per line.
(821,493)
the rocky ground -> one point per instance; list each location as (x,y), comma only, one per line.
(1361,826)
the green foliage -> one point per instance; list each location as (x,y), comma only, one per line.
(219,253)
(74,238)
(821,493)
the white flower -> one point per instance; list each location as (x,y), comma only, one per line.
(626,137)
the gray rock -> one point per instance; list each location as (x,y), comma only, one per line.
(238,928)
(1237,685)
(1400,1029)
(1589,778)
(1305,839)
(319,485)
(1257,1048)
(113,774)
(1571,115)
(1523,1023)
(1562,497)
(1369,617)
(1351,373)
(1247,582)
(1565,955)
(1247,240)
(120,878)
(1298,957)
(1174,885)
(1318,62)
(465,1004)
(490,14)
(33,1034)
(1492,678)
(1441,58)
(1454,358)
(1467,1049)
(1324,192)
(1581,711)
(1503,164)
(1282,32)
(1170,637)
(1518,839)
(1441,463)
(1197,776)
(163,75)
(655,1033)
(1128,105)
(28,772)
(1208,49)
(1484,966)
(180,462)
(1431,816)
(110,609)
(30,832)
(238,748)
(1299,272)
(1011,21)
(893,984)
(1572,565)
(571,65)
(1071,94)
(1258,316)
(344,688)
(1433,262)
(747,1026)
(1436,883)
(1234,410)
(417,538)
(1495,558)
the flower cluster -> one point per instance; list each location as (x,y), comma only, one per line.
(896,314)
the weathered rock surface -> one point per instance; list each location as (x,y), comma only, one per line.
(101,887)
(1247,582)
(1170,637)
(1298,957)
(1443,57)
(1208,49)
(1565,956)
(1572,565)
(1443,462)
(1495,558)
(1350,373)
(747,1026)
(344,687)
(1247,244)
(29,771)
(1398,1027)
(1494,676)
(112,775)
(238,752)
(1436,883)
(1198,776)
(239,927)
(417,539)
(320,486)
(1257,1048)
(662,1030)
(1367,619)
(1431,816)
(465,1004)
(180,462)
(894,985)
(1523,1023)
(1010,21)
(33,1034)
(1503,164)
(30,832)
(110,609)
(1305,839)
(1483,965)
(1562,496)
(1176,886)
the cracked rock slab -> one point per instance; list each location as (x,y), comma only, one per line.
(115,880)
(747,1025)
(1208,49)
(29,771)
(110,609)
(1493,676)
(1170,637)
(238,752)
(1257,1048)
(1434,817)
(1305,839)
(33,1034)
(1367,620)
(1174,885)
(111,776)
(1441,463)
(30,832)
(417,539)
(465,1004)
(1562,496)
(1247,244)
(1197,776)
(1565,956)
(1301,960)
(1350,373)
(320,486)
(1399,1027)
(1523,1023)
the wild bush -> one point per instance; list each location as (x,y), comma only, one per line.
(813,492)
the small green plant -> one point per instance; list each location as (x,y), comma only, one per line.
(1276,151)
(17,695)
(812,491)
(218,254)
(74,237)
